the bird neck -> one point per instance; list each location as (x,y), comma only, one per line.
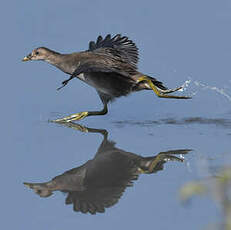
(63,62)
(54,58)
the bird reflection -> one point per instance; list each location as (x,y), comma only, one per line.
(100,182)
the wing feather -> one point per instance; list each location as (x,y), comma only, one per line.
(119,47)
(114,54)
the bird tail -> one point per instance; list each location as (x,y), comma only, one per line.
(42,189)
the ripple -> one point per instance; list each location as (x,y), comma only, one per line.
(221,122)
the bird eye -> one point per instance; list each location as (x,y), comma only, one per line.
(37,53)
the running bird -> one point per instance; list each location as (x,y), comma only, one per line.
(109,65)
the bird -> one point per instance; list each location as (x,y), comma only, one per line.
(109,65)
(100,182)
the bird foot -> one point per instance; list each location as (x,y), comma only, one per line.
(73,117)
(159,92)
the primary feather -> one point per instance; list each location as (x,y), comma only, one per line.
(117,47)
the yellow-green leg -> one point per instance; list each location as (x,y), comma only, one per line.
(82,115)
(72,117)
(159,92)
(153,164)
(153,167)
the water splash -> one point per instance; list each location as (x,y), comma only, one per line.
(199,85)
(214,88)
(185,85)
(181,157)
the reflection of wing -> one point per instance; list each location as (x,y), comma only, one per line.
(105,147)
(106,179)
(94,200)
(108,147)
(71,180)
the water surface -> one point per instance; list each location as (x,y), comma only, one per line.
(179,41)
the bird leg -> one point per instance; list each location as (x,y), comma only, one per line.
(64,83)
(155,163)
(82,115)
(160,92)
(152,164)
(163,157)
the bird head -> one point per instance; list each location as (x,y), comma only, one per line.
(40,53)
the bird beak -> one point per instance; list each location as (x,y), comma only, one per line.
(27,58)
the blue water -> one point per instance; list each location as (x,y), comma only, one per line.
(179,41)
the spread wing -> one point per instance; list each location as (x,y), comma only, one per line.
(119,47)
(117,54)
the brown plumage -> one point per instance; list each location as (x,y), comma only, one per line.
(109,65)
(100,182)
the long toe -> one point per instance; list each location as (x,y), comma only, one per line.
(166,91)
(73,117)
(173,96)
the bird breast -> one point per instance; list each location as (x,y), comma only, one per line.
(94,80)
